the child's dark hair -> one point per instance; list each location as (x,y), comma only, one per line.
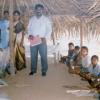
(6,11)
(39,6)
(71,44)
(95,56)
(77,48)
(84,47)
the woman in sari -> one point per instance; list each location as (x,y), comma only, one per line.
(18,42)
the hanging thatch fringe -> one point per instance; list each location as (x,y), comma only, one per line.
(66,15)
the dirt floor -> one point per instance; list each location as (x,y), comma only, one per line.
(52,87)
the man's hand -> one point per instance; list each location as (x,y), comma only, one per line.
(30,37)
(43,40)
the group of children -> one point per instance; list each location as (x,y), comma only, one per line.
(79,57)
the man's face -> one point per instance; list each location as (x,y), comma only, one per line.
(39,11)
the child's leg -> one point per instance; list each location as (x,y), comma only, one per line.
(67,62)
(84,69)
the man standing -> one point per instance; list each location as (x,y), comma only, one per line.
(39,26)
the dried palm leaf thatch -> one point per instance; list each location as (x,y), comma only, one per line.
(66,15)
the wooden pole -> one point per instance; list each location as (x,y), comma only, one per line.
(12,68)
(81,37)
(53,38)
(81,32)
(3,7)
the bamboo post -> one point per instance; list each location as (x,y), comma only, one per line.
(12,68)
(81,32)
(3,7)
(81,36)
(53,37)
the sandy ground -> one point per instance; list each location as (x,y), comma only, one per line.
(25,87)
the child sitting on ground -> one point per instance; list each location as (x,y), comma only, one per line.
(71,54)
(93,75)
(94,68)
(85,59)
(77,57)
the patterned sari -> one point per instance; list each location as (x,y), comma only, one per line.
(19,49)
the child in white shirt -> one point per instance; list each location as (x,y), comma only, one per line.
(94,68)
(85,59)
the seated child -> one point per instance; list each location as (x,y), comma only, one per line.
(93,73)
(63,59)
(85,59)
(77,57)
(71,53)
(94,68)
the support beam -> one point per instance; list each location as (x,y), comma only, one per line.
(3,7)
(53,38)
(81,36)
(81,32)
(11,39)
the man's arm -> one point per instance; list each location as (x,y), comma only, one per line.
(48,28)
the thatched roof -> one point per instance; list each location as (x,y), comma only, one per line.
(66,14)
(59,7)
